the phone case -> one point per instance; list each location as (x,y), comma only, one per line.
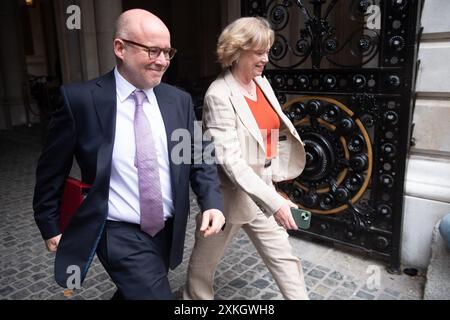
(301,217)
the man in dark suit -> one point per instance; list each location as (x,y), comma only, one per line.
(119,129)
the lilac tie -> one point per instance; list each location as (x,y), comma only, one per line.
(150,199)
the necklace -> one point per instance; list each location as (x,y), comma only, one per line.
(244,88)
(251,92)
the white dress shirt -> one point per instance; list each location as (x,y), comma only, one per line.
(123,187)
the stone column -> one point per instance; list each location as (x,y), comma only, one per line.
(12,64)
(231,10)
(68,43)
(88,41)
(106,13)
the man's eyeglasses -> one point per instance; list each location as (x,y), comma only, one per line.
(154,52)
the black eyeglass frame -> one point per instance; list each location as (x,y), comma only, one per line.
(169,53)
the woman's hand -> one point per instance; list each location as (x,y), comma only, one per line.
(212,222)
(284,216)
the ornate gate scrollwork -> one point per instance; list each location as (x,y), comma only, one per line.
(344,72)
(339,155)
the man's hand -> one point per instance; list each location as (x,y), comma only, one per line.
(284,216)
(52,243)
(212,222)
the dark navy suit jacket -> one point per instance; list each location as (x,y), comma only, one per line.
(84,126)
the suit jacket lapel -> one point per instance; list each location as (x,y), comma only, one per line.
(242,109)
(105,102)
(270,96)
(170,118)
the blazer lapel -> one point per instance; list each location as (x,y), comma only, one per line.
(242,109)
(105,102)
(170,118)
(270,96)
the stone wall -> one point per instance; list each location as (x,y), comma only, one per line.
(428,173)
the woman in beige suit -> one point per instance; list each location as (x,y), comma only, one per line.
(255,145)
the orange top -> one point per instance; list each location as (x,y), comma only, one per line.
(267,120)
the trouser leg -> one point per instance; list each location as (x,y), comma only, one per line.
(136,262)
(273,245)
(204,259)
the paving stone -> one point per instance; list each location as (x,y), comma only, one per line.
(8,273)
(392,292)
(364,295)
(250,276)
(336,275)
(315,296)
(350,285)
(90,293)
(23,265)
(89,282)
(102,277)
(38,286)
(322,290)
(310,281)
(269,296)
(4,291)
(260,267)
(371,289)
(20,295)
(342,293)
(249,292)
(238,283)
(39,268)
(41,295)
(316,274)
(274,287)
(230,274)
(222,266)
(260,283)
(238,297)
(220,282)
(105,286)
(38,276)
(6,281)
(306,264)
(23,274)
(226,292)
(38,260)
(330,282)
(250,261)
(240,268)
(407,297)
(232,260)
(22,283)
(107,295)
(322,268)
(268,276)
(385,296)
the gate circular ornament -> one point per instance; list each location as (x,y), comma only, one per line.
(339,156)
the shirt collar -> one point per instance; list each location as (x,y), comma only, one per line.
(124,89)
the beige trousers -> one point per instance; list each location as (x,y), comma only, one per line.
(272,244)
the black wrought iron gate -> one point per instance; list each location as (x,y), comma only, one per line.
(344,72)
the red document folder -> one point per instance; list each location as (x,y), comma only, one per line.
(74,193)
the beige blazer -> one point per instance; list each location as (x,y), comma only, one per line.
(246,184)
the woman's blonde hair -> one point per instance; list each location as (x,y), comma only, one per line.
(249,33)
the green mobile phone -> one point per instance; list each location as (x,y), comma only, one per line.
(301,217)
